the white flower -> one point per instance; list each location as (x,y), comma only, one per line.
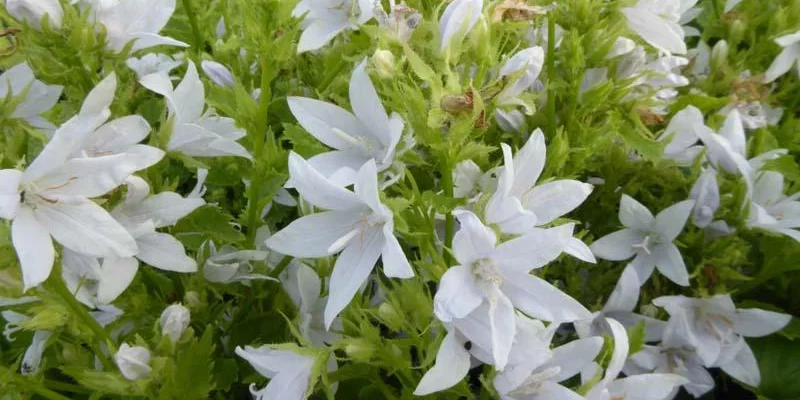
(370,134)
(714,328)
(51,198)
(528,64)
(469,181)
(135,20)
(289,372)
(789,56)
(500,276)
(174,320)
(303,286)
(772,210)
(33,11)
(637,387)
(682,136)
(357,225)
(458,18)
(654,77)
(133,362)
(218,73)
(401,21)
(33,354)
(649,239)
(755,114)
(323,20)
(195,133)
(705,193)
(230,265)
(40,97)
(152,63)
(658,23)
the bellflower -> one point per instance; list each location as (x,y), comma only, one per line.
(649,239)
(289,372)
(772,210)
(34,11)
(39,97)
(459,17)
(174,320)
(303,286)
(135,20)
(499,274)
(705,193)
(195,133)
(133,361)
(715,328)
(357,224)
(400,21)
(682,136)
(788,57)
(229,265)
(370,134)
(218,73)
(528,63)
(323,20)
(152,63)
(658,23)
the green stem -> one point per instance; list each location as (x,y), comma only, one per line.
(30,386)
(449,222)
(58,286)
(198,37)
(551,73)
(281,266)
(258,139)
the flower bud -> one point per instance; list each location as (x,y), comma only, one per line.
(218,73)
(359,350)
(456,103)
(390,316)
(719,54)
(133,362)
(32,11)
(737,31)
(384,63)
(174,320)
(192,299)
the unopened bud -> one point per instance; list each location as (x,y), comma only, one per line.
(359,350)
(719,54)
(456,103)
(133,362)
(174,320)
(389,315)
(218,73)
(384,63)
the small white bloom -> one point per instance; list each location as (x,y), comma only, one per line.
(649,239)
(152,63)
(357,225)
(400,21)
(40,97)
(323,20)
(705,193)
(303,286)
(772,210)
(133,362)
(228,265)
(218,73)
(135,20)
(33,354)
(174,320)
(366,134)
(33,11)
(459,17)
(289,372)
(658,23)
(789,56)
(195,133)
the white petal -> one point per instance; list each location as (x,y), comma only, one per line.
(730,5)
(573,357)
(319,33)
(352,268)
(626,292)
(366,187)
(670,221)
(744,367)
(163,209)
(620,353)
(634,215)
(664,35)
(503,328)
(458,294)
(646,387)
(119,134)
(782,63)
(9,192)
(473,240)
(33,246)
(100,97)
(616,246)
(338,166)
(322,119)
(33,354)
(528,164)
(188,99)
(754,322)
(117,275)
(452,365)
(554,199)
(576,248)
(395,263)
(669,262)
(367,105)
(89,176)
(319,191)
(84,227)
(537,298)
(313,235)
(164,252)
(533,250)
(733,130)
(705,192)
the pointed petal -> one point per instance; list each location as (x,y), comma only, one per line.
(338,166)
(616,246)
(319,191)
(452,365)
(395,263)
(626,292)
(576,248)
(117,275)
(10,199)
(366,187)
(539,299)
(458,294)
(313,235)
(634,215)
(733,130)
(573,357)
(660,33)
(84,227)
(322,119)
(533,250)
(554,199)
(164,252)
(669,262)
(647,386)
(33,246)
(119,134)
(782,63)
(670,221)
(189,97)
(503,328)
(100,97)
(318,34)
(744,367)
(528,164)
(88,177)
(163,209)
(367,105)
(620,353)
(473,240)
(351,270)
(146,40)
(754,322)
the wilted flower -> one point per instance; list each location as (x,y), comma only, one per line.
(33,11)
(516,10)
(218,73)
(133,362)
(174,320)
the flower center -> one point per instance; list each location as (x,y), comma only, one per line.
(646,245)
(365,221)
(486,270)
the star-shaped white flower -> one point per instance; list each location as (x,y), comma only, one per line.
(357,224)
(39,97)
(323,20)
(772,210)
(366,134)
(649,239)
(135,20)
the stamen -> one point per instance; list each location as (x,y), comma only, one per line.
(344,240)
(644,245)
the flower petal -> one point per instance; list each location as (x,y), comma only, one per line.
(452,365)
(669,262)
(322,119)
(473,240)
(10,197)
(319,33)
(313,235)
(395,263)
(117,275)
(458,294)
(533,250)
(634,215)
(616,246)
(554,199)
(367,105)
(164,252)
(539,299)
(319,191)
(754,322)
(743,366)
(502,325)
(670,221)
(626,292)
(33,246)
(782,63)
(528,164)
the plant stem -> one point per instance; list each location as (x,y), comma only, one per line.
(57,284)
(27,385)
(281,266)
(198,37)
(551,72)
(449,222)
(258,138)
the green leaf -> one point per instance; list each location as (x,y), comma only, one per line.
(636,336)
(105,382)
(207,222)
(779,362)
